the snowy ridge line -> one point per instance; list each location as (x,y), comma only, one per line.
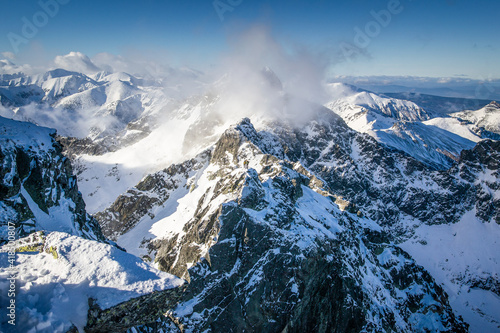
(401,124)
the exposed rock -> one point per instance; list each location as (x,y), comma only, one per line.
(148,310)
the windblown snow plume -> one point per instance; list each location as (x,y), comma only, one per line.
(260,75)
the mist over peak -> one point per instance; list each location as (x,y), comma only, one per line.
(76,61)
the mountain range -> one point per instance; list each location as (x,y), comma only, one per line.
(243,207)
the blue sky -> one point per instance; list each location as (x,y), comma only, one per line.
(441,38)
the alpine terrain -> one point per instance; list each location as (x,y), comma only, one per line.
(243,207)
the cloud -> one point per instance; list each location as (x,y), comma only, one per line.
(8,67)
(300,70)
(112,63)
(76,62)
(68,122)
(254,61)
(410,81)
(260,79)
(135,63)
(73,61)
(9,55)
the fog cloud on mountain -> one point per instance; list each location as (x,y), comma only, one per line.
(258,76)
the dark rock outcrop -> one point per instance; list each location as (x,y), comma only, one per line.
(37,171)
(148,310)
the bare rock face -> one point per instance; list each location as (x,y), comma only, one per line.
(145,310)
(480,166)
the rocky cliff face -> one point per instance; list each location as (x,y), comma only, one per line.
(480,166)
(38,190)
(282,264)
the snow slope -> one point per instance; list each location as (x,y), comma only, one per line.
(454,125)
(54,285)
(104,177)
(26,135)
(399,124)
(487,117)
(474,125)
(460,255)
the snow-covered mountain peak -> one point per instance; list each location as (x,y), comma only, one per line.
(485,119)
(123,77)
(493,105)
(56,73)
(343,94)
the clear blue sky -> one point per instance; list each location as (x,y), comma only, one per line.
(422,38)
